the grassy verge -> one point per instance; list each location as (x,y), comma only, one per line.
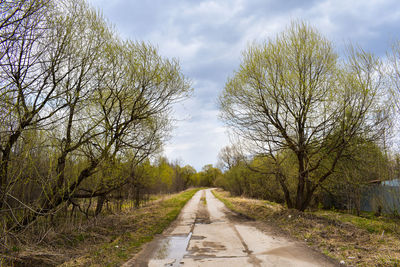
(356,241)
(133,230)
(108,240)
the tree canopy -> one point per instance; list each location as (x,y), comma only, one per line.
(293,95)
(77,105)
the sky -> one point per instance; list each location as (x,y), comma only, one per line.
(208,37)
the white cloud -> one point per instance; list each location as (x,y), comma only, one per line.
(173,47)
(198,135)
(208,36)
(215,12)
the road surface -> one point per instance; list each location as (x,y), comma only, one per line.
(206,233)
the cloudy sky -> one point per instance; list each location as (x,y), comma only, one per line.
(208,36)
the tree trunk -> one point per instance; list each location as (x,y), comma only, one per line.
(57,198)
(5,160)
(300,183)
(137,196)
(100,202)
(285,190)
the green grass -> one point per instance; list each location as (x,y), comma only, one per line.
(227,203)
(204,200)
(359,241)
(133,230)
(370,223)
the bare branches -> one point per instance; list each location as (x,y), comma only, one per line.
(92,99)
(292,94)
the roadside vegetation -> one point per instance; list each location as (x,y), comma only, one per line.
(355,240)
(300,112)
(84,115)
(109,240)
(345,189)
(312,130)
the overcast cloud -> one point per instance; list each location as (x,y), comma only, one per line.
(208,36)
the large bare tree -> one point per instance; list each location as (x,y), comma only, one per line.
(90,98)
(293,97)
(29,93)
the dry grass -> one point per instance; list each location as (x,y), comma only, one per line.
(355,240)
(105,241)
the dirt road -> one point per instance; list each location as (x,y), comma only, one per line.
(208,234)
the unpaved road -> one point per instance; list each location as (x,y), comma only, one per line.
(206,233)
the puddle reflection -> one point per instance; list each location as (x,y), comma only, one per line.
(173,247)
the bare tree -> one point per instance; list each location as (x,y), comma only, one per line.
(119,100)
(394,63)
(17,16)
(29,93)
(228,157)
(292,96)
(95,101)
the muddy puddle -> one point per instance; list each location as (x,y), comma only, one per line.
(173,248)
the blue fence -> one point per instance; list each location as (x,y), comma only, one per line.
(384,197)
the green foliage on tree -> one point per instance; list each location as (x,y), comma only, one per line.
(293,101)
(208,176)
(364,163)
(81,112)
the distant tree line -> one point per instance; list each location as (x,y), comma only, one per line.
(357,172)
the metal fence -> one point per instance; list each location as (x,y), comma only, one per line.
(384,197)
